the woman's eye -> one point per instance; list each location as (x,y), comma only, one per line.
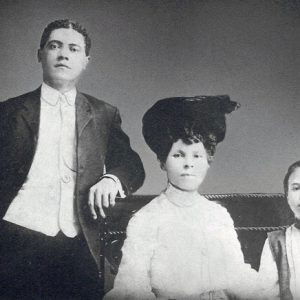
(176,155)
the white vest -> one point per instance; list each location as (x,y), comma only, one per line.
(45,202)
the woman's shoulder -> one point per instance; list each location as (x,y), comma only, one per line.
(153,206)
(213,205)
(217,211)
(149,214)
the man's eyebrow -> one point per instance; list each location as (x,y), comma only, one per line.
(60,43)
(54,41)
(76,45)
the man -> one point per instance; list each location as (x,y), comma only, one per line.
(63,157)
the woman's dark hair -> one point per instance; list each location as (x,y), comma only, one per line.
(288,174)
(66,23)
(189,136)
(190,119)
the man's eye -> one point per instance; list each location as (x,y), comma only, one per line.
(53,46)
(74,50)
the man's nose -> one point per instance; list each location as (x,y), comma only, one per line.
(63,54)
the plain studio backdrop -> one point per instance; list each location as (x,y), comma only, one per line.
(145,50)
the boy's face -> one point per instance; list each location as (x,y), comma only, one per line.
(186,165)
(63,57)
(294,192)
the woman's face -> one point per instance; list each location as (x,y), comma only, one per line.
(186,165)
(294,192)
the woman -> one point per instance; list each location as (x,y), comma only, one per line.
(280,261)
(181,245)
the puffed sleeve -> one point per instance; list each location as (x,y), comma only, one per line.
(133,278)
(268,274)
(242,279)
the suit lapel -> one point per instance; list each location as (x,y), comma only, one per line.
(83,112)
(31,110)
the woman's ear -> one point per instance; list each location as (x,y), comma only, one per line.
(210,159)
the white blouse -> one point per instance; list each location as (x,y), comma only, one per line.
(180,248)
(268,273)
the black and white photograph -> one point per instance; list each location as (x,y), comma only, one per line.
(150,149)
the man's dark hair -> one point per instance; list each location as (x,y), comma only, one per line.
(288,174)
(57,24)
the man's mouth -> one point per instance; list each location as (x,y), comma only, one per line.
(61,66)
(187,175)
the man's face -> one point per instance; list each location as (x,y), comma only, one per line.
(63,57)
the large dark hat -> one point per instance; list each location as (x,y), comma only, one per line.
(201,115)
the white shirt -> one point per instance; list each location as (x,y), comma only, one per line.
(268,273)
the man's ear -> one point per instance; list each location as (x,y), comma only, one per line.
(87,61)
(39,55)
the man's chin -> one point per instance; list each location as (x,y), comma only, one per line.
(60,80)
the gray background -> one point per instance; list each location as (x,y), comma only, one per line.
(146,50)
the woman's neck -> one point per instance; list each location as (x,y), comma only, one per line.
(181,197)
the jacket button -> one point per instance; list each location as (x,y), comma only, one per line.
(66,178)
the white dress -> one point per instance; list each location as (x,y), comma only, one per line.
(179,249)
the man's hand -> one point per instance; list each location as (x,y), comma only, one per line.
(102,194)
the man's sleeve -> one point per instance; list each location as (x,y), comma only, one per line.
(121,160)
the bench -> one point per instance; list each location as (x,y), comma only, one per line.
(253,214)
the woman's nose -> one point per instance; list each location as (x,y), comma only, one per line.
(188,163)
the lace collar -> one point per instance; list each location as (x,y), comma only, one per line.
(181,198)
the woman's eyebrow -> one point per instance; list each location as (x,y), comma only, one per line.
(180,151)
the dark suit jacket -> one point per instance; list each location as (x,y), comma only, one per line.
(100,140)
